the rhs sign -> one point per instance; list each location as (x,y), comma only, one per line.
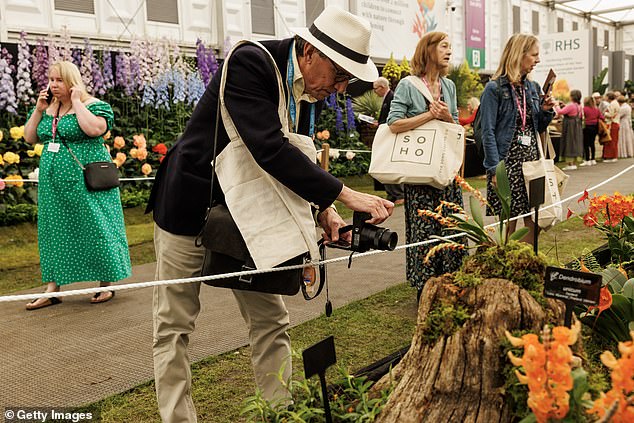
(568,54)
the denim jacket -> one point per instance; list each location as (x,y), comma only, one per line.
(498,120)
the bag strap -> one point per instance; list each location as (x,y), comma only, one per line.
(416,82)
(72,154)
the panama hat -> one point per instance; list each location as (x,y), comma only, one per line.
(345,39)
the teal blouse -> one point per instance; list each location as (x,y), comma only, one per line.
(409,102)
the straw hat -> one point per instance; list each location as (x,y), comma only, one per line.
(345,39)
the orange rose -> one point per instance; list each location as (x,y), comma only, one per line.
(119,143)
(146,169)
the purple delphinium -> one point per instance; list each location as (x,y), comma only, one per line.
(134,75)
(4,54)
(350,114)
(24,86)
(107,68)
(7,89)
(65,49)
(76,57)
(85,69)
(40,65)
(195,88)
(331,100)
(213,61)
(201,61)
(338,118)
(53,51)
(97,78)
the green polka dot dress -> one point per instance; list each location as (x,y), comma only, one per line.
(81,234)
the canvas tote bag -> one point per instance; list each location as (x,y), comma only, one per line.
(431,154)
(556,181)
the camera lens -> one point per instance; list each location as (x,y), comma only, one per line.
(384,239)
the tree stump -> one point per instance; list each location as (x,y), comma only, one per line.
(459,378)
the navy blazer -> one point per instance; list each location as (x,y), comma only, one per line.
(180,195)
(385,106)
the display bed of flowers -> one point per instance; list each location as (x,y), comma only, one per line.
(584,373)
(152,89)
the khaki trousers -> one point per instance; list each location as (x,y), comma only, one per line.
(175,308)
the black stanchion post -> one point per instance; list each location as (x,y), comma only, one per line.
(536,192)
(316,360)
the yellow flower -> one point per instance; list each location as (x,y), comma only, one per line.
(11,158)
(133,152)
(1,160)
(146,169)
(37,150)
(16,178)
(1,135)
(17,132)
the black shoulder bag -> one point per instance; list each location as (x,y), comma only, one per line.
(99,176)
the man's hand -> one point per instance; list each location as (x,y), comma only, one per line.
(379,208)
(331,222)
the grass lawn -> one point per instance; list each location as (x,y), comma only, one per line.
(365,331)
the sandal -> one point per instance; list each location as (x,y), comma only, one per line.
(50,302)
(97,299)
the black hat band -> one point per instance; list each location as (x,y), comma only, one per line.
(336,46)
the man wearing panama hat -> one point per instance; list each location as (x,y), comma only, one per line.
(317,62)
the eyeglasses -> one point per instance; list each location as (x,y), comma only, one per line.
(341,75)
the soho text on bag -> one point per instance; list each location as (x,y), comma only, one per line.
(431,154)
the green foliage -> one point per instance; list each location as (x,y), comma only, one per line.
(597,82)
(443,320)
(615,323)
(474,228)
(350,403)
(341,140)
(131,197)
(620,240)
(367,103)
(19,213)
(515,262)
(515,394)
(467,83)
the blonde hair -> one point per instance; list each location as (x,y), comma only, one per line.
(71,76)
(514,51)
(474,102)
(425,53)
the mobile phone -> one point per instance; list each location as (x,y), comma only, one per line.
(49,95)
(548,84)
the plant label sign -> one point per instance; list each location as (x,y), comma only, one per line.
(572,286)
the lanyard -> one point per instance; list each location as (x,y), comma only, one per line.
(56,121)
(521,109)
(429,87)
(292,105)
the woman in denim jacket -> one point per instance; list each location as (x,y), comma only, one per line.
(513,115)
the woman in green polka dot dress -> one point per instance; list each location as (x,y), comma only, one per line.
(81,234)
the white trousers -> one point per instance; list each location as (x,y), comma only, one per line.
(175,308)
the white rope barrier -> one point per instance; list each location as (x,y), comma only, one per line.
(26,297)
(35,181)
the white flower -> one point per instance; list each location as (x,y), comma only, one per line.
(35,174)
(334,153)
(350,155)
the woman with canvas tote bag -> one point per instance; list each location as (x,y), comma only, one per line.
(409,110)
(511,122)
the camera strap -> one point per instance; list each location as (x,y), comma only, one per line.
(323,280)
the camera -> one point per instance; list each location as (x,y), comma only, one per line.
(366,236)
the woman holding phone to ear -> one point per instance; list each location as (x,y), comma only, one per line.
(81,234)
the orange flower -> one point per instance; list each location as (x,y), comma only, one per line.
(160,148)
(605,301)
(119,143)
(146,169)
(14,180)
(107,135)
(120,159)
(139,141)
(547,366)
